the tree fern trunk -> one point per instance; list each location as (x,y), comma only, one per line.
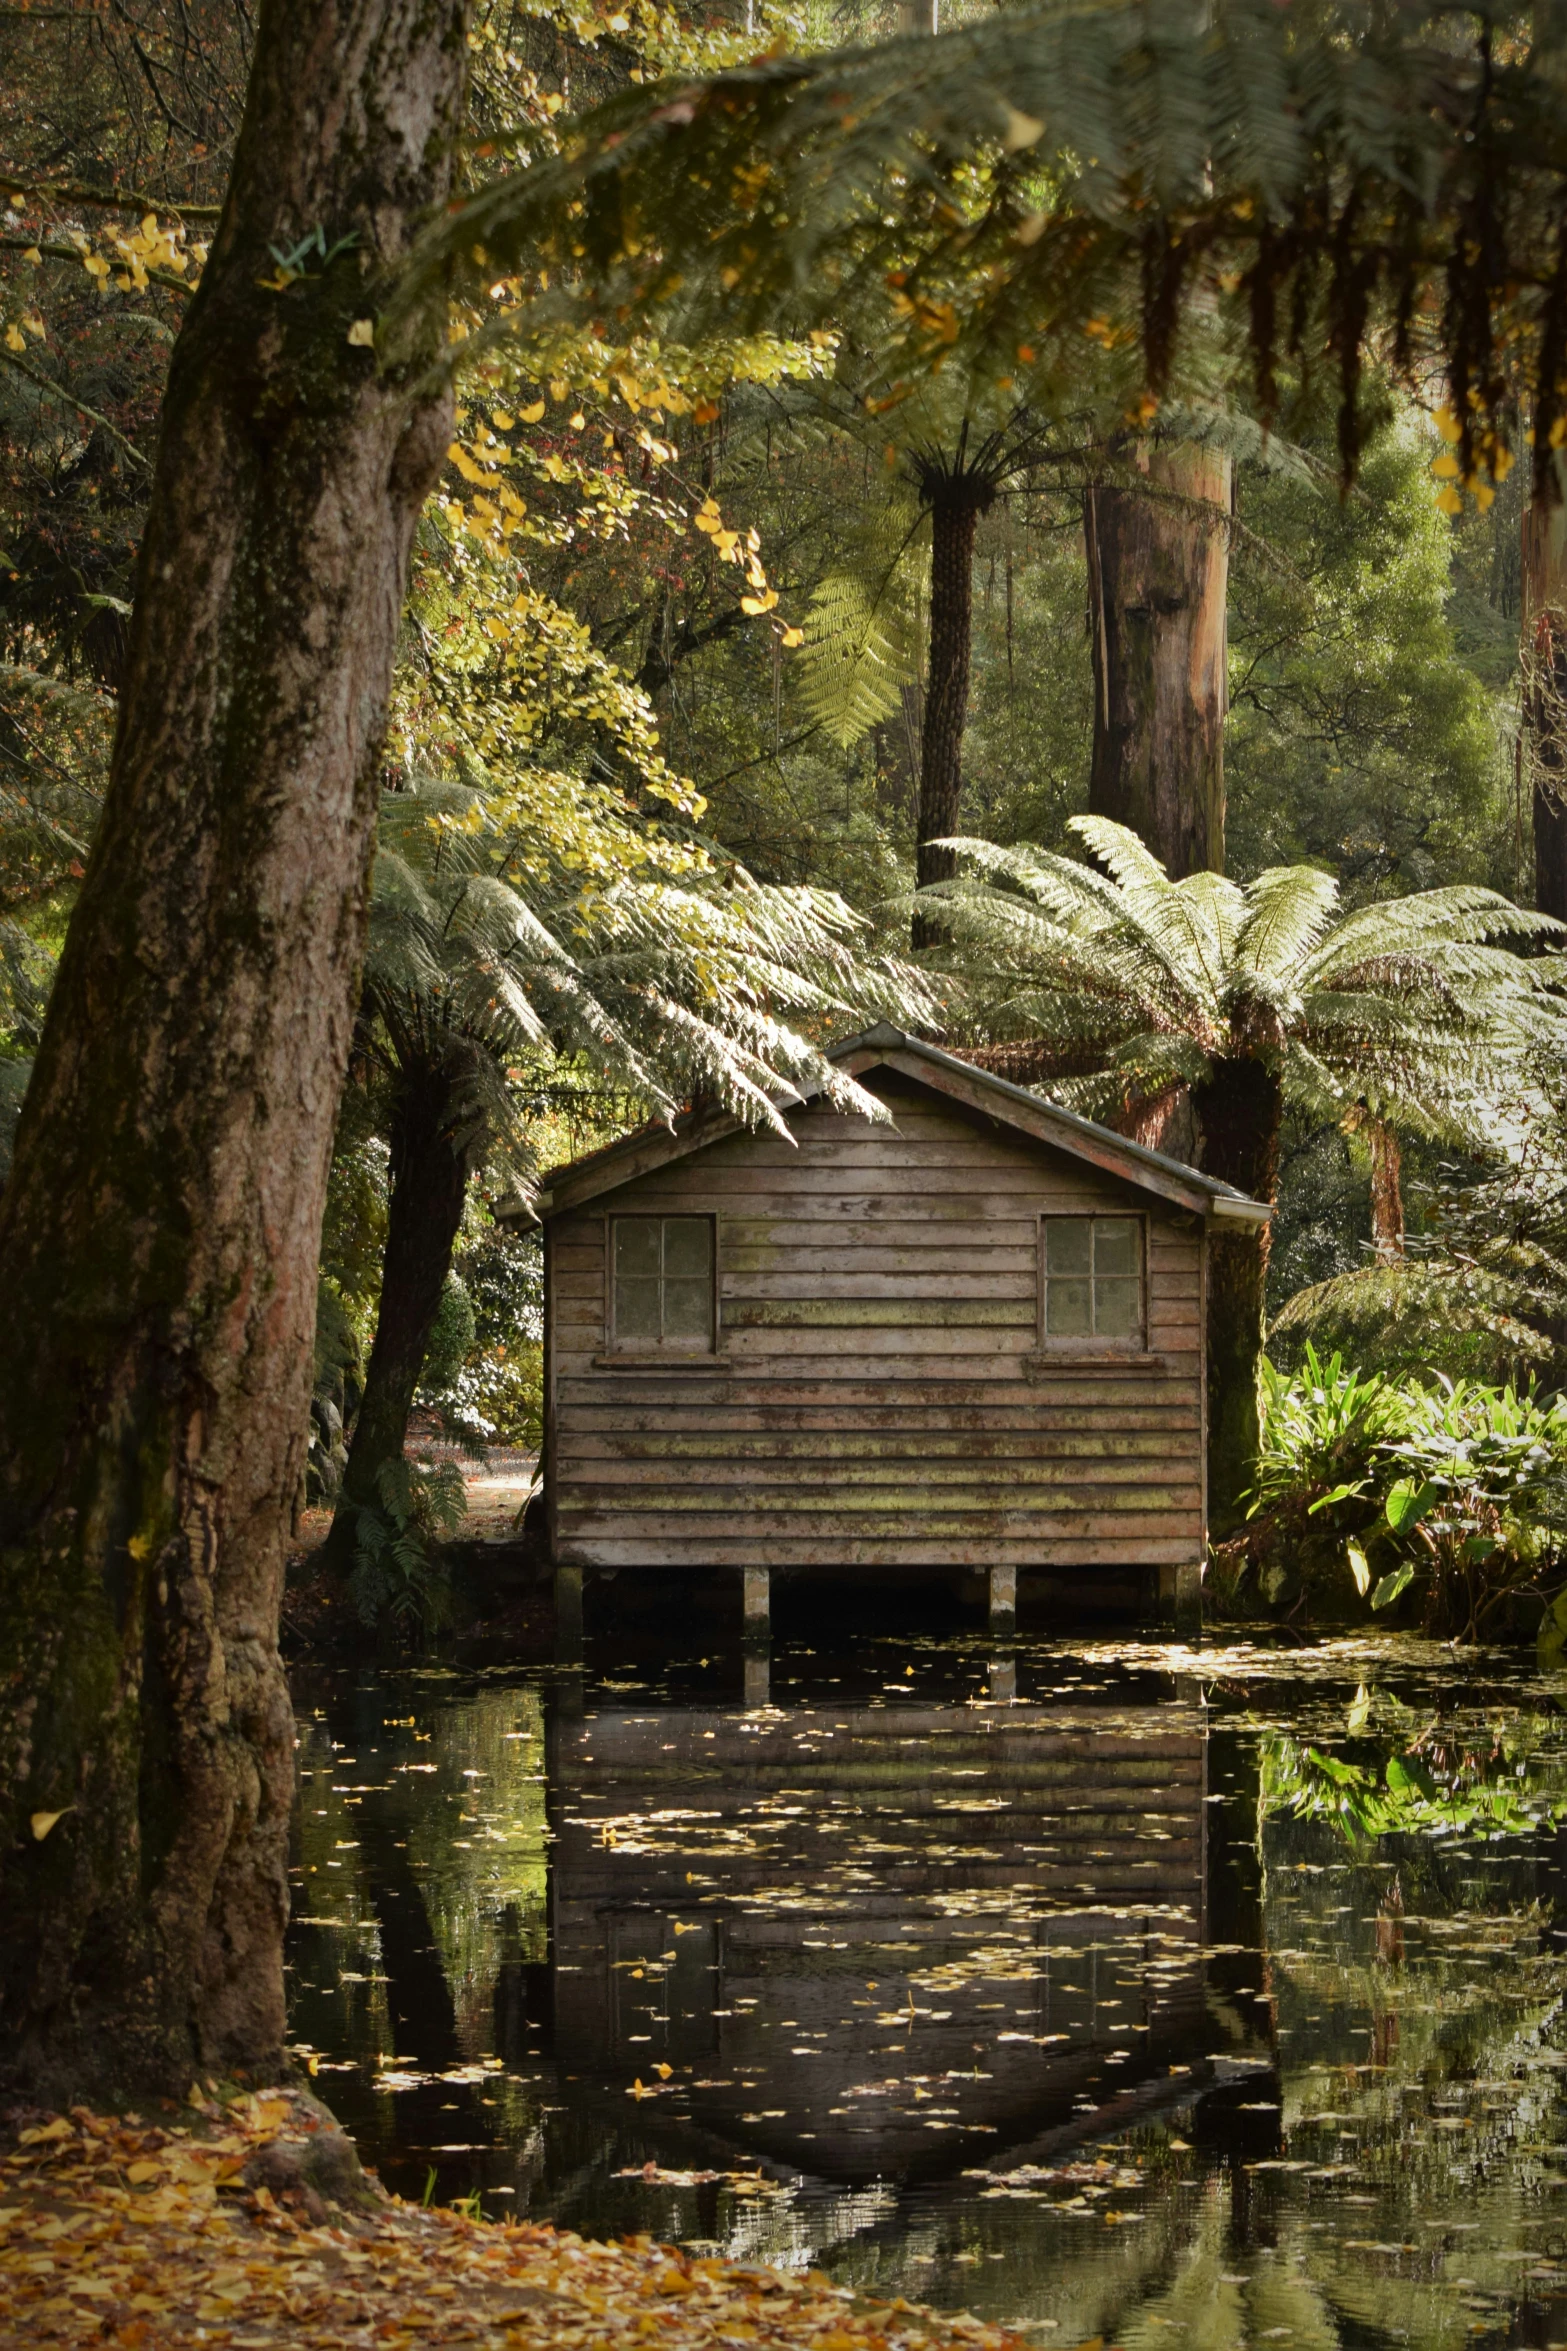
(1543,595)
(429,1187)
(954,511)
(1240,1109)
(159,1234)
(1158,572)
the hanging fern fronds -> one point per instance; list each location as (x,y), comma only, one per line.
(1146,173)
(856,659)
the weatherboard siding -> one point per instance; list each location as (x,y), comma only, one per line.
(877,1396)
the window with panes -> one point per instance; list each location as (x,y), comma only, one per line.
(662,1292)
(1092,1280)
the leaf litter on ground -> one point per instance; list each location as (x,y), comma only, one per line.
(243,2220)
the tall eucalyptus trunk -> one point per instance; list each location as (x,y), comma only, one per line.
(1158,574)
(1240,1109)
(1543,598)
(159,1235)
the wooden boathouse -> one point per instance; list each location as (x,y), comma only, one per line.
(970,1338)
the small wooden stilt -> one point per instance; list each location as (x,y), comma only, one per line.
(568,1615)
(1180,1596)
(1003,1599)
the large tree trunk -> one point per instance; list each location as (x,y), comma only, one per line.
(955,508)
(159,1235)
(1543,597)
(429,1186)
(1158,570)
(1239,1108)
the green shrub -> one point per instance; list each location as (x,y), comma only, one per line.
(398,1577)
(451,1337)
(1446,1499)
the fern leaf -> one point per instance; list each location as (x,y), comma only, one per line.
(853,663)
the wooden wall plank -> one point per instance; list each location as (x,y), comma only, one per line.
(870,1403)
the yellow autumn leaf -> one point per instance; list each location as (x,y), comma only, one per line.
(95,265)
(362,334)
(139,2173)
(501,420)
(531,414)
(791,638)
(41,1824)
(45,2134)
(1021,131)
(756,604)
(663,2071)
(15,340)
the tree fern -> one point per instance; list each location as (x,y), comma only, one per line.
(1414,1005)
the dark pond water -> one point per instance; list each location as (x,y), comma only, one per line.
(1042,1983)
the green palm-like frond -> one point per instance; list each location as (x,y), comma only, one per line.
(1134,982)
(672,979)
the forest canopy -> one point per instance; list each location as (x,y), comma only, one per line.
(674,536)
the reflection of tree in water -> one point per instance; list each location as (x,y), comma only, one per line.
(485,1886)
(338,1986)
(1432,1953)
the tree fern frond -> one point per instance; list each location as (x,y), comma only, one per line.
(855,659)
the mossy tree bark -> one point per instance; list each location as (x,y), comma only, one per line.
(1240,1109)
(1158,575)
(432,1156)
(956,502)
(158,1237)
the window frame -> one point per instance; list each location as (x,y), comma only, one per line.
(614,1343)
(1090,1343)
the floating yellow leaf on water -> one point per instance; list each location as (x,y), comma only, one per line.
(663,2071)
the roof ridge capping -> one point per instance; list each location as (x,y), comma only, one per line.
(1044,1121)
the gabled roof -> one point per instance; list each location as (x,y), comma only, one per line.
(886,1047)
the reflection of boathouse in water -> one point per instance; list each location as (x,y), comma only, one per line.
(883,1939)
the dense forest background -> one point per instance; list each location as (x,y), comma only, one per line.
(670,631)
